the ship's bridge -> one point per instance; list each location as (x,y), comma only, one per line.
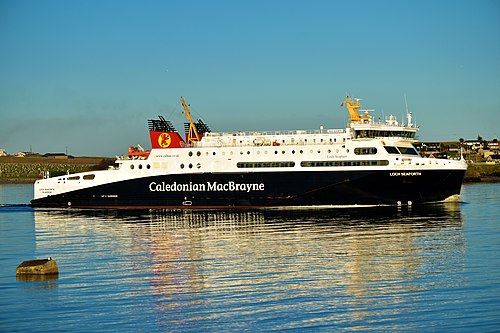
(364,126)
(373,131)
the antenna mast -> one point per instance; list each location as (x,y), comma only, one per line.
(408,115)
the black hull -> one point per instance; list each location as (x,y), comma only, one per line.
(272,189)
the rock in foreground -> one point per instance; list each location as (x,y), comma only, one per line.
(38,267)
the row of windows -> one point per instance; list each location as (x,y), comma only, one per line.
(85,177)
(365,151)
(343,163)
(190,165)
(385,134)
(265,164)
(262,141)
(148,166)
(311,164)
(301,151)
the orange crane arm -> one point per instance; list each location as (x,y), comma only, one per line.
(193,133)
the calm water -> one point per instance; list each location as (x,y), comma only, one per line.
(432,268)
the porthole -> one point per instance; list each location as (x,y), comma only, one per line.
(301,151)
(190,165)
(190,153)
(148,166)
(319,151)
(293,151)
(282,151)
(248,152)
(140,166)
(198,165)
(347,150)
(132,166)
(275,152)
(241,152)
(214,153)
(329,151)
(198,153)
(182,166)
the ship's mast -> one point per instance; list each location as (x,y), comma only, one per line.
(193,133)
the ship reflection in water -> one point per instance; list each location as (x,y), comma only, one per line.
(267,269)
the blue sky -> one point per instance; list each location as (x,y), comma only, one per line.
(87,75)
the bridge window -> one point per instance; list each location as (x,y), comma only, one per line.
(392,150)
(407,150)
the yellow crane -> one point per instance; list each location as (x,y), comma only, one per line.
(193,133)
(352,107)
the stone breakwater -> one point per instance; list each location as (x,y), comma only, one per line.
(34,170)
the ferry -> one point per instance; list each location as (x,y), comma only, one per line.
(367,163)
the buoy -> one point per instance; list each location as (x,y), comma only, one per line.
(38,267)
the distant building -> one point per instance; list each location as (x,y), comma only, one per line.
(21,154)
(59,156)
(3,152)
(494,145)
(472,144)
(438,149)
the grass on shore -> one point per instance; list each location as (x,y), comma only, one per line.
(476,171)
(20,169)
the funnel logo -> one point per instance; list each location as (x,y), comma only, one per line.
(164,140)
